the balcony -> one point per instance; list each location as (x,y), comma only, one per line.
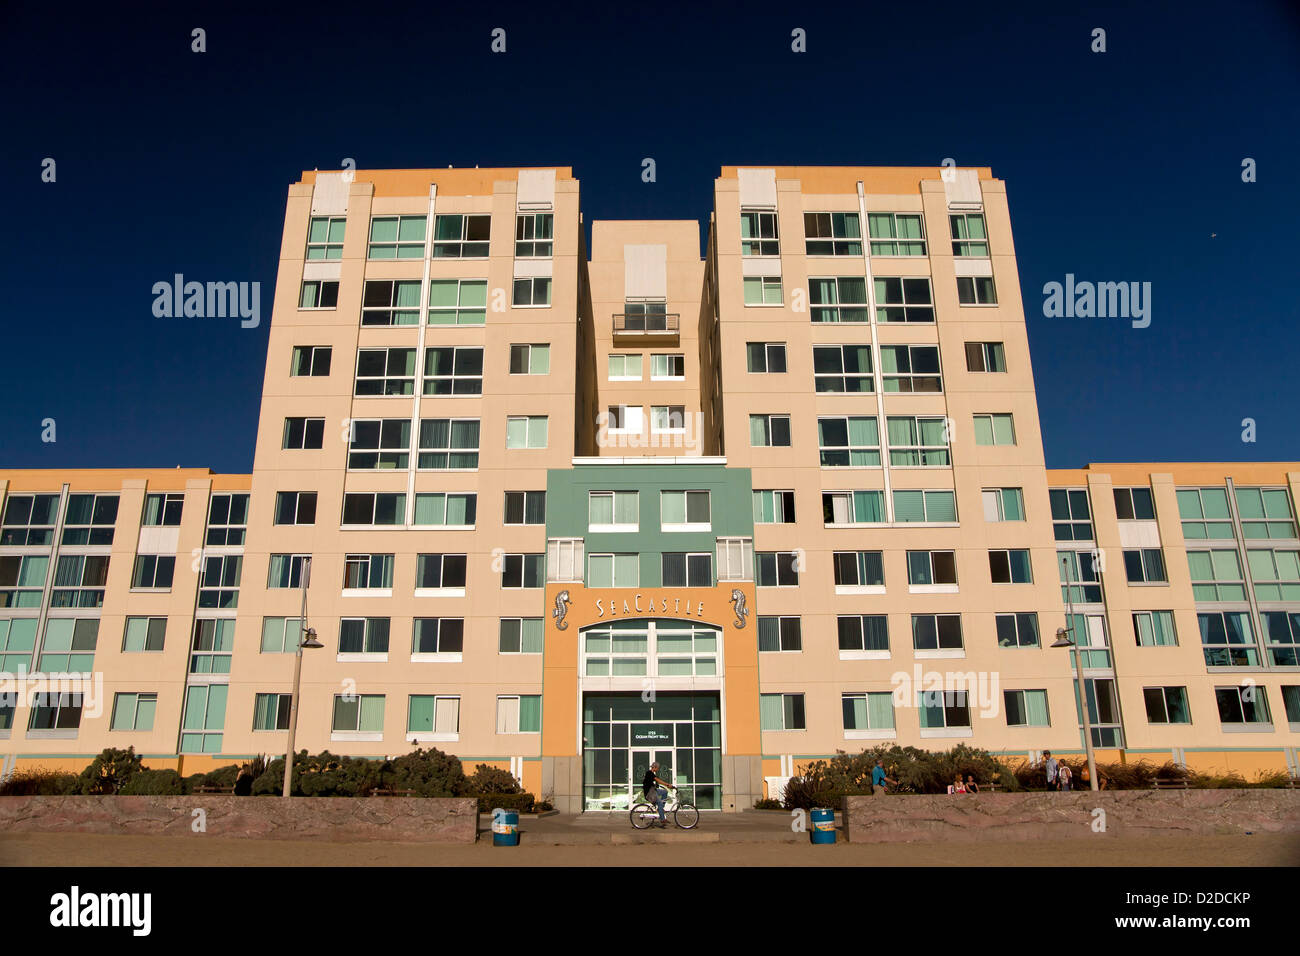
(646,325)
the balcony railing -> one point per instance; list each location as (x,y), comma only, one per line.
(643,323)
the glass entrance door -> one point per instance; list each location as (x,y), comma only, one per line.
(640,763)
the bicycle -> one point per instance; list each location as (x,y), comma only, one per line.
(685,815)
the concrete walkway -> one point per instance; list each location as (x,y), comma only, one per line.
(605,829)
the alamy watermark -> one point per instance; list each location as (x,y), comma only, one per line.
(211,300)
(1102,300)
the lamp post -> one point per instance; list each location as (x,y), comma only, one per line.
(1063,639)
(306,638)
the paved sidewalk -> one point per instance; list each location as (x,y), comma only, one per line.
(614,828)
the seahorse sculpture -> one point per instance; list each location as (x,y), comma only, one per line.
(560,610)
(738,599)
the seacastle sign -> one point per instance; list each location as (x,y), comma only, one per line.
(639,605)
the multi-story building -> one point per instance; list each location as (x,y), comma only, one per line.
(567,513)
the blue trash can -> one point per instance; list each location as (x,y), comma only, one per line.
(505,827)
(823,825)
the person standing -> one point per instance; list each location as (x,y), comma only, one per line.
(879,778)
(1050,765)
(1064,776)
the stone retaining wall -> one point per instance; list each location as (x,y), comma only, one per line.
(395,819)
(1029,816)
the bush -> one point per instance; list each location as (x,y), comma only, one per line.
(824,782)
(40,783)
(521,802)
(110,771)
(430,773)
(488,779)
(767,804)
(154,783)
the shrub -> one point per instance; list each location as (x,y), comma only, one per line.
(110,771)
(487,779)
(40,783)
(154,783)
(319,775)
(767,804)
(521,802)
(430,773)
(824,782)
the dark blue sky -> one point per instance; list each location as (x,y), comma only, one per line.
(1119,167)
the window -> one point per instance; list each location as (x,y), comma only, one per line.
(667,418)
(90,519)
(931,567)
(525,507)
(777,569)
(520,635)
(765,356)
(79,580)
(763,290)
(910,368)
(134,711)
(397,237)
(976,290)
(943,709)
(773,507)
(391,302)
(271,711)
(17,642)
(1010,567)
(779,634)
(1265,513)
(868,711)
(285,570)
(295,507)
(448,444)
(781,712)
(1080,569)
(626,418)
(859,569)
(969,236)
(832,234)
(526,431)
(303,433)
(1145,566)
(769,431)
(29,519)
(683,570)
(564,559)
(863,632)
(1026,708)
(22,579)
(214,642)
(667,367)
(684,511)
(624,368)
(613,570)
(896,234)
(735,559)
(848,442)
(69,645)
(379,444)
(1134,504)
(613,511)
(1167,705)
(461,237)
(646,316)
(901,299)
(519,715)
(853,507)
(446,509)
(1237,705)
(385,372)
(1004,504)
(281,635)
(838,299)
(532,291)
(526,571)
(358,713)
(453,371)
(1071,517)
(440,571)
(1154,629)
(758,235)
(313,360)
(144,634)
(530,360)
(1204,513)
(227,519)
(367,571)
(363,635)
(219,581)
(985,357)
(325,237)
(153,571)
(433,715)
(996,429)
(374,508)
(319,294)
(933,506)
(918,442)
(51,711)
(457,301)
(1227,639)
(842,368)
(534,233)
(164,510)
(1017,630)
(1282,637)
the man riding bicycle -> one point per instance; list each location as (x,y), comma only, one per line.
(655,793)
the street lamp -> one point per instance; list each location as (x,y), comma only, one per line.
(1063,639)
(306,638)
